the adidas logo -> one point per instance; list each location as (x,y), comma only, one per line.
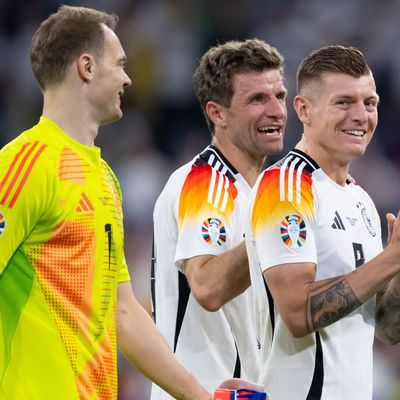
(84,204)
(337,222)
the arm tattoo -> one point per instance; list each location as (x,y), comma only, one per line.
(328,303)
(387,315)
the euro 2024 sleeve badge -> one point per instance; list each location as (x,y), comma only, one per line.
(213,231)
(293,231)
(2,223)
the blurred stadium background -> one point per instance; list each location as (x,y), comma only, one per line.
(163,126)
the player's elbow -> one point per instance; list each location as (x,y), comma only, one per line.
(296,327)
(211,306)
(207,300)
(298,331)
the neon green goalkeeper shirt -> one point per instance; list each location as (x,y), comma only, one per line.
(61,259)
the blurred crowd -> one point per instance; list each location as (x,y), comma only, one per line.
(163,126)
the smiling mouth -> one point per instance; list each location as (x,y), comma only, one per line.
(354,132)
(270,130)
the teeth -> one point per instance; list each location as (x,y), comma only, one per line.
(355,132)
(270,129)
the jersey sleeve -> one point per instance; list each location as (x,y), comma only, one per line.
(25,194)
(123,274)
(123,270)
(283,218)
(205,211)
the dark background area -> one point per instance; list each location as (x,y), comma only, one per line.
(163,126)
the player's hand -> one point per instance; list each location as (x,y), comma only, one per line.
(236,383)
(239,389)
(390,223)
(393,224)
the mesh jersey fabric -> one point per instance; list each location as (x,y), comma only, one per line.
(61,260)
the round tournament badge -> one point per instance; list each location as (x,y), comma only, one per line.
(213,232)
(366,219)
(367,222)
(2,223)
(293,231)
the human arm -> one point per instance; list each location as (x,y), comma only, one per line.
(208,215)
(33,203)
(214,280)
(388,303)
(144,346)
(310,305)
(388,313)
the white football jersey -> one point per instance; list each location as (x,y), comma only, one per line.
(298,214)
(201,211)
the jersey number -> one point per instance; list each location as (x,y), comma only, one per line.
(358,254)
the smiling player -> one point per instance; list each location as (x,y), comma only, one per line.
(316,238)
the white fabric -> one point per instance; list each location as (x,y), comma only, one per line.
(335,217)
(206,343)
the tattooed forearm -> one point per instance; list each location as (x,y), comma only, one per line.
(388,316)
(329,303)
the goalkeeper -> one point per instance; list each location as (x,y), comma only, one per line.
(65,295)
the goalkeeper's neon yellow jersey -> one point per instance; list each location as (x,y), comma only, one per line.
(61,259)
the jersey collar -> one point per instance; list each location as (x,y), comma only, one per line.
(310,162)
(213,157)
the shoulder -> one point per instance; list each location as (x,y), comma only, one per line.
(289,178)
(110,172)
(168,198)
(28,166)
(284,193)
(356,188)
(28,153)
(295,163)
(173,186)
(209,182)
(205,173)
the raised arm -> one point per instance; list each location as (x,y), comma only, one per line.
(144,346)
(307,305)
(214,280)
(388,302)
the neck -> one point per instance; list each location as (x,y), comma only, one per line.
(247,166)
(71,116)
(337,171)
(332,165)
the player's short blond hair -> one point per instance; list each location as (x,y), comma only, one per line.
(65,35)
